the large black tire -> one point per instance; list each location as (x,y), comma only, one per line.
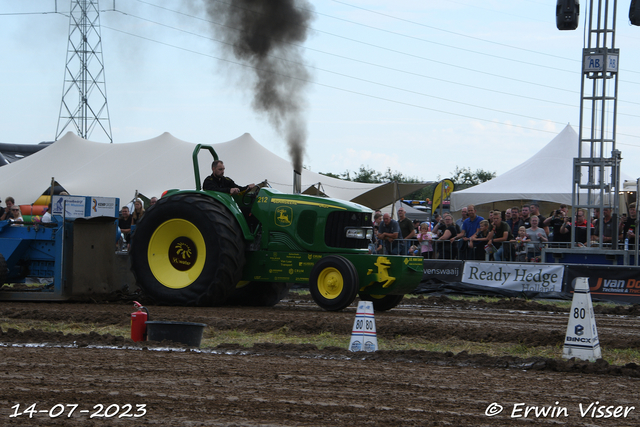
(259,294)
(4,271)
(382,302)
(187,250)
(333,283)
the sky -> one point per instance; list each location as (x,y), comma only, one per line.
(419,87)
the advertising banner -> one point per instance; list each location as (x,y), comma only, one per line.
(74,206)
(608,282)
(532,277)
(104,206)
(443,190)
(85,206)
(442,271)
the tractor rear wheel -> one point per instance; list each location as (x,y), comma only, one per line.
(259,294)
(187,250)
(333,283)
(382,302)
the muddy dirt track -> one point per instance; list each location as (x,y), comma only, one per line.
(119,382)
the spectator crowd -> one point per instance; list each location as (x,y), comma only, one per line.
(517,234)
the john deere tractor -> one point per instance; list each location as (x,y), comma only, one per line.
(204,248)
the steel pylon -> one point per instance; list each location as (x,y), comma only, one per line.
(596,177)
(84,95)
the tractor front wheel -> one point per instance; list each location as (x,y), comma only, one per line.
(382,302)
(333,283)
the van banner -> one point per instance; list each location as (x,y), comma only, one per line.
(608,282)
(532,277)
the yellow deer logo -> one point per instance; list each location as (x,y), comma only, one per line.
(382,275)
(284,216)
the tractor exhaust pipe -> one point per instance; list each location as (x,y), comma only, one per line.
(297,182)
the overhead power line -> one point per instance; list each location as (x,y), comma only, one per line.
(356,92)
(492,91)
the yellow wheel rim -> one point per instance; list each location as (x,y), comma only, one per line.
(330,283)
(377,296)
(176,253)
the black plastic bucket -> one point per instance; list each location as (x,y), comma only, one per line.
(187,333)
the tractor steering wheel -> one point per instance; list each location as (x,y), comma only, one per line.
(249,196)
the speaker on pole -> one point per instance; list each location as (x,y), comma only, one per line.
(567,14)
(634,12)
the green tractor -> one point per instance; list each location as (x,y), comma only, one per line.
(206,248)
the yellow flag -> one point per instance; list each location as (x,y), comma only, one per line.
(443,191)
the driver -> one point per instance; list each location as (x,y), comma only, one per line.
(218,182)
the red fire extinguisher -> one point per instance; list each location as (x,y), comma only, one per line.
(138,319)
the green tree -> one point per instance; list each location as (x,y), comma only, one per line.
(331,175)
(466,178)
(368,176)
(371,176)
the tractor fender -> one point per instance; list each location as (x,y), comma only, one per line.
(226,200)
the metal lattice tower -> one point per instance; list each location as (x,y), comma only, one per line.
(596,175)
(84,96)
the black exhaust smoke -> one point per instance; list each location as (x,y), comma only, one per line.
(267,36)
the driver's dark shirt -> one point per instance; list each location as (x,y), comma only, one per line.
(223,184)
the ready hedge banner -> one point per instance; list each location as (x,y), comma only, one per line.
(616,283)
(531,277)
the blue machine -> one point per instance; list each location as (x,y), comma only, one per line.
(33,251)
(72,256)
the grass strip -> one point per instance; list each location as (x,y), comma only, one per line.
(213,338)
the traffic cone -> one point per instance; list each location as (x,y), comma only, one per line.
(363,334)
(581,340)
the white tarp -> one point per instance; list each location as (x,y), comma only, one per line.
(630,185)
(545,177)
(117,170)
(412,213)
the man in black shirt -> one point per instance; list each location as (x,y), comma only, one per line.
(406,229)
(124,222)
(628,226)
(556,222)
(218,182)
(515,222)
(525,216)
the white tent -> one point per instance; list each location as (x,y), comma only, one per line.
(412,213)
(630,185)
(119,170)
(545,177)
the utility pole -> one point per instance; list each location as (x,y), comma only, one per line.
(84,95)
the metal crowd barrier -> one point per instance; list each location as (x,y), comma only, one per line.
(459,250)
